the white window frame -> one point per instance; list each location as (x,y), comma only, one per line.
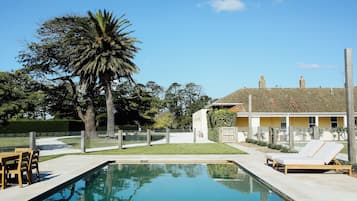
(334,122)
(312,122)
(283,124)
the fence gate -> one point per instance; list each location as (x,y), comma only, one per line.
(228,134)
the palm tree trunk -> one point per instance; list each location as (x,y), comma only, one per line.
(110,110)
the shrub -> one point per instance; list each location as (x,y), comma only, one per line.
(271,146)
(262,143)
(213,134)
(252,141)
(221,118)
(275,146)
(248,140)
(278,147)
(25,126)
(285,149)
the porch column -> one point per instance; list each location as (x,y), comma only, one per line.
(345,121)
(287,118)
(317,121)
(250,128)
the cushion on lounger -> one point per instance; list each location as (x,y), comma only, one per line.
(308,150)
(311,148)
(274,156)
(328,151)
(299,161)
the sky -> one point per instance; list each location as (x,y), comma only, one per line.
(222,45)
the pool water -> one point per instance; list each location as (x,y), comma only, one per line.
(169,182)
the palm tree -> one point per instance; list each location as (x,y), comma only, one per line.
(103,53)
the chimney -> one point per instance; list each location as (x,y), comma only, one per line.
(261,82)
(302,82)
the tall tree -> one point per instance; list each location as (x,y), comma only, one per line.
(104,52)
(20,96)
(49,59)
(183,101)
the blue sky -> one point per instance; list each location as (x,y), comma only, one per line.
(222,45)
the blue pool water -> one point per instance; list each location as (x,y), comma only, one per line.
(169,182)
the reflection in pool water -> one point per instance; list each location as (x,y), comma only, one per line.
(206,182)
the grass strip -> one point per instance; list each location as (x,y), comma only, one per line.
(206,148)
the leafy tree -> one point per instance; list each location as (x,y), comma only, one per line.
(104,51)
(183,101)
(173,98)
(155,89)
(164,120)
(20,96)
(134,104)
(49,60)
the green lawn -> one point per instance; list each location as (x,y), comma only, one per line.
(209,148)
(344,150)
(14,141)
(46,158)
(75,142)
(94,142)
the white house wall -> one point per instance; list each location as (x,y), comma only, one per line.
(199,124)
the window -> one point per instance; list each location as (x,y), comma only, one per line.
(312,122)
(334,122)
(283,123)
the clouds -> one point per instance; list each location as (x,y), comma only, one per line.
(234,5)
(313,66)
(227,5)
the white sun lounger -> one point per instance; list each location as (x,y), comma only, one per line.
(307,151)
(323,159)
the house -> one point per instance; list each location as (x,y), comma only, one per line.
(283,108)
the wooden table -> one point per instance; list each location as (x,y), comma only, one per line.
(5,157)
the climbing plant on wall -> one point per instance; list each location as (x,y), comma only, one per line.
(221,118)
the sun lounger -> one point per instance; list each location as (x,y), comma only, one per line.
(307,151)
(323,159)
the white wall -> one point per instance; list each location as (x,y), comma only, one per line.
(255,125)
(199,123)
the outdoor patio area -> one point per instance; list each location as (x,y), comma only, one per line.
(296,186)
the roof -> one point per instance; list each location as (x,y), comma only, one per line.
(291,99)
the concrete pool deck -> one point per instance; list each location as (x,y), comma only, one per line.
(297,186)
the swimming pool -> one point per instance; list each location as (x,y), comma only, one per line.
(149,182)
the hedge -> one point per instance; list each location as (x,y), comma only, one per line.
(221,118)
(217,119)
(213,134)
(25,126)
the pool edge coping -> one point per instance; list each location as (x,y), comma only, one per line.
(105,162)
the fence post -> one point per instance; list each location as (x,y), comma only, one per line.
(275,136)
(315,131)
(167,136)
(83,141)
(194,135)
(291,138)
(270,140)
(259,136)
(33,140)
(120,139)
(148,137)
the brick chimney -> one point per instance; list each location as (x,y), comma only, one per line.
(302,82)
(262,82)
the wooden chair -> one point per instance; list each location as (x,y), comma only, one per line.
(33,164)
(19,167)
(7,160)
(17,150)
